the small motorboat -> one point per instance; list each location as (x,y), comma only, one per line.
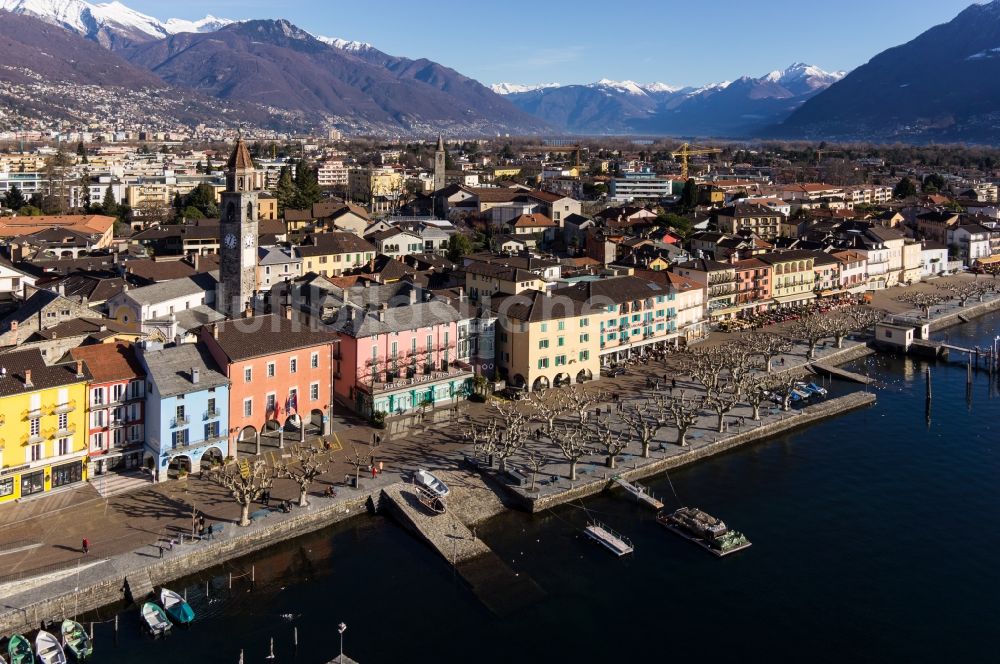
(177,607)
(19,650)
(812,388)
(429,481)
(48,649)
(156,620)
(76,640)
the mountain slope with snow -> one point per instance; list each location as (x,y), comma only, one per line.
(110,24)
(728,108)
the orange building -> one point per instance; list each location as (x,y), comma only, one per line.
(281,377)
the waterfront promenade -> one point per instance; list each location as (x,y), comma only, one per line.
(125,530)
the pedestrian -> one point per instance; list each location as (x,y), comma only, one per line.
(85,546)
(381,466)
(265,497)
(374,472)
(160,548)
(673,383)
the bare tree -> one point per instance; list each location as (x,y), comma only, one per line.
(784,385)
(572,442)
(811,330)
(246,481)
(705,366)
(580,401)
(767,346)
(357,459)
(513,435)
(922,300)
(547,406)
(613,441)
(303,468)
(535,461)
(722,402)
(645,421)
(757,390)
(484,439)
(684,412)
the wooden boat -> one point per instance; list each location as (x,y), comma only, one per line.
(19,650)
(48,649)
(76,640)
(156,620)
(177,608)
(430,500)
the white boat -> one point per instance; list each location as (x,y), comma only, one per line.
(429,481)
(2,660)
(177,608)
(48,649)
(156,620)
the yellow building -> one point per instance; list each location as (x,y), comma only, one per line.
(546,341)
(381,189)
(793,278)
(332,254)
(43,426)
(506,172)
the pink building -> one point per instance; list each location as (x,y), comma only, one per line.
(397,354)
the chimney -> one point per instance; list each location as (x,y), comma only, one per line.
(62,290)
(248,312)
(461,294)
(195,260)
(413,295)
(27,378)
(195,375)
(288,312)
(79,368)
(215,330)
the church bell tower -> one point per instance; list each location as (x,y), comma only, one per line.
(238,235)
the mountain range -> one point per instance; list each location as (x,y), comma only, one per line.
(941,86)
(743,107)
(937,87)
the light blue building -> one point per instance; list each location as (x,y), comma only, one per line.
(187,410)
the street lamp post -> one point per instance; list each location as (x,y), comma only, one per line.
(341,628)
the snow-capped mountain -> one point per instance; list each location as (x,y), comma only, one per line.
(111,24)
(727,108)
(210,23)
(345,44)
(513,88)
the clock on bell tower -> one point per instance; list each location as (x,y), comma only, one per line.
(238,235)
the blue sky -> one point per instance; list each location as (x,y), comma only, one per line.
(680,42)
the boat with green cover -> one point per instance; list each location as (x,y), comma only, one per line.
(19,650)
(76,640)
(177,608)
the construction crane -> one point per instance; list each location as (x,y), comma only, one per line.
(687,150)
(820,153)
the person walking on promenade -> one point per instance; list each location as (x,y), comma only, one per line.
(85,546)
(374,471)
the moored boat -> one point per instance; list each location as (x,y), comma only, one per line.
(76,640)
(704,530)
(155,619)
(177,608)
(19,650)
(48,649)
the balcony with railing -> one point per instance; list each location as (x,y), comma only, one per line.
(63,408)
(180,421)
(212,414)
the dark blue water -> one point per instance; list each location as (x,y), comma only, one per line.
(874,539)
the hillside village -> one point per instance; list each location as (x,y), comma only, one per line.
(168,304)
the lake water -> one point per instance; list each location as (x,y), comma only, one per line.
(874,539)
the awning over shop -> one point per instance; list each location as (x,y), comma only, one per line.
(798,297)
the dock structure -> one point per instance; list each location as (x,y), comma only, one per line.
(444,532)
(827,370)
(640,492)
(609,539)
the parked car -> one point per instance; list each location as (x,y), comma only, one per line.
(613,372)
(429,481)
(511,393)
